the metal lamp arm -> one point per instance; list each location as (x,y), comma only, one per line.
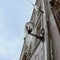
(41,37)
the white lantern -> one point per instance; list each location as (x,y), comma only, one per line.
(29,26)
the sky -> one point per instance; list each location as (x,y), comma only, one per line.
(13,16)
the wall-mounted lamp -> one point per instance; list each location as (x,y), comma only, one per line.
(29,26)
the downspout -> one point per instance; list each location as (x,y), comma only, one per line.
(46,43)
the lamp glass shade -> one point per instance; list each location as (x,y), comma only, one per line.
(29,26)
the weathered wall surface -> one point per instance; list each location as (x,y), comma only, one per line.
(39,53)
(55,36)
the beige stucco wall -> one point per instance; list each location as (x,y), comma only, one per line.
(39,53)
(54,34)
(55,38)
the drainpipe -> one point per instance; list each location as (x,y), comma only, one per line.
(46,43)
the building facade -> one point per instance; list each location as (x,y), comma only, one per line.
(49,47)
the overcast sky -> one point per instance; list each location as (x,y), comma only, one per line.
(13,16)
